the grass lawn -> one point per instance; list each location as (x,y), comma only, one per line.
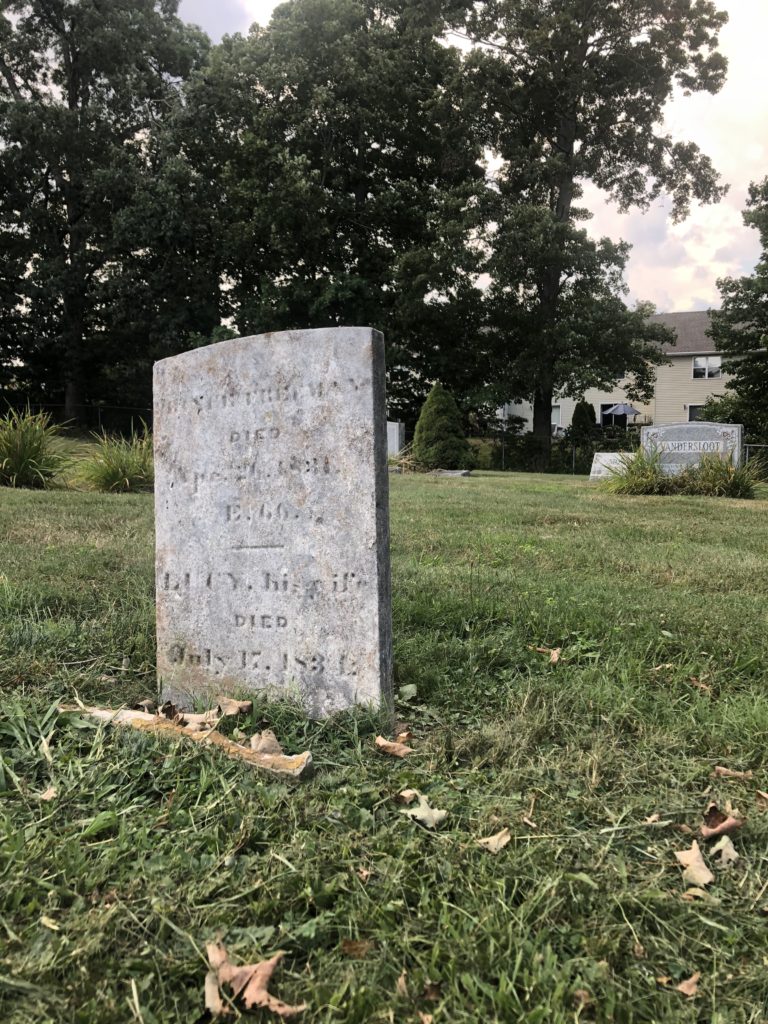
(660,606)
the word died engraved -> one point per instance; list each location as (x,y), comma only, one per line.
(282,511)
(262,621)
(254,434)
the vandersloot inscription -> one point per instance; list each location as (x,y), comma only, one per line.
(272,525)
(682,445)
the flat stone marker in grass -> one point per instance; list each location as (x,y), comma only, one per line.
(272,520)
(682,445)
(606,464)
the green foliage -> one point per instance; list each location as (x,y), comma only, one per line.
(740,329)
(439,441)
(555,303)
(583,422)
(31,449)
(120,464)
(712,477)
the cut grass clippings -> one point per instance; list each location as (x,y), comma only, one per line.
(124,857)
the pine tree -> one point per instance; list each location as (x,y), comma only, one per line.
(439,441)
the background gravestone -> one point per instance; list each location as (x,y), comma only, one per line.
(682,445)
(605,465)
(271,509)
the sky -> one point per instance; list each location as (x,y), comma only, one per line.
(675,266)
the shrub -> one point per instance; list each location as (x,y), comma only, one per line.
(31,449)
(712,477)
(439,441)
(120,464)
(583,423)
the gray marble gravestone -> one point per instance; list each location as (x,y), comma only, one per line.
(272,523)
(606,464)
(682,445)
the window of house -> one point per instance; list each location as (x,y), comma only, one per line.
(555,419)
(694,412)
(706,367)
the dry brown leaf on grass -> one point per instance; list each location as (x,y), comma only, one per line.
(403,737)
(694,893)
(431,817)
(553,652)
(392,748)
(357,949)
(425,1018)
(697,683)
(265,743)
(762,799)
(407,796)
(696,872)
(690,986)
(401,986)
(496,842)
(284,766)
(729,773)
(719,823)
(363,874)
(663,668)
(50,794)
(249,982)
(727,851)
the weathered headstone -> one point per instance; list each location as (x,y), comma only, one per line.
(682,445)
(271,506)
(395,437)
(606,464)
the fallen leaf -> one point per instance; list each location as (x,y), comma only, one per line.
(727,851)
(249,981)
(638,950)
(718,823)
(403,737)
(652,819)
(663,668)
(283,766)
(554,656)
(363,874)
(392,748)
(697,683)
(50,794)
(425,1018)
(401,987)
(357,949)
(690,986)
(49,923)
(581,998)
(762,799)
(696,872)
(407,796)
(214,1004)
(682,827)
(694,893)
(230,706)
(431,817)
(496,842)
(265,743)
(663,979)
(730,773)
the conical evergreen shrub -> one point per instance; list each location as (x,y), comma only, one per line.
(439,441)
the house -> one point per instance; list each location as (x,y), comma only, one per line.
(683,384)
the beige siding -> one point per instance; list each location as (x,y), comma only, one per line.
(593,396)
(676,389)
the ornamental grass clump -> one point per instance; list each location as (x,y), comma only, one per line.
(32,451)
(120,464)
(714,477)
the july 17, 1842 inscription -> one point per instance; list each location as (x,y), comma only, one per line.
(272,528)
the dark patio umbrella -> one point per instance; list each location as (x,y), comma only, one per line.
(622,409)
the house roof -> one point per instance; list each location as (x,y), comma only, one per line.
(690,329)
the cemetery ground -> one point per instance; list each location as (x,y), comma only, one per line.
(123,855)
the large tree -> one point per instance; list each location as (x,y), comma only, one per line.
(347,163)
(575,92)
(740,328)
(83,85)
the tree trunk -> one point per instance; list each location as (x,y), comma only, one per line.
(542,426)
